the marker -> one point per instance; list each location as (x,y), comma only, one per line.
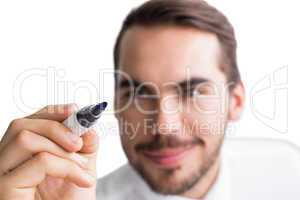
(83,120)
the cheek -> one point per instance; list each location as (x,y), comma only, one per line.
(207,105)
(133,128)
(129,142)
(130,122)
(207,126)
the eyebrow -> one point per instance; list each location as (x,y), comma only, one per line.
(128,83)
(190,83)
(185,84)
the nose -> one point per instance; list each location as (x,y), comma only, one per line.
(168,118)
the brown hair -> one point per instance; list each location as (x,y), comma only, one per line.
(188,13)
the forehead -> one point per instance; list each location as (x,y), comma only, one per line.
(162,54)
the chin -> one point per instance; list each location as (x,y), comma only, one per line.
(173,180)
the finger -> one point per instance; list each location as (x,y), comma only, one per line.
(34,171)
(52,130)
(26,145)
(51,112)
(54,112)
(90,142)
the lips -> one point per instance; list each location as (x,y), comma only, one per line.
(168,157)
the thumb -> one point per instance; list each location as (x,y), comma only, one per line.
(90,142)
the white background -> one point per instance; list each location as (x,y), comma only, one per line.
(73,41)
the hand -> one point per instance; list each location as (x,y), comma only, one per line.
(41,160)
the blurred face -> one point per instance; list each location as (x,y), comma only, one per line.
(171,104)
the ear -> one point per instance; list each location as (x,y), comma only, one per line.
(236,102)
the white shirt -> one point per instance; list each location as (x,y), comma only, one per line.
(255,169)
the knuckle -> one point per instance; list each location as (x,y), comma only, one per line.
(43,158)
(23,139)
(15,123)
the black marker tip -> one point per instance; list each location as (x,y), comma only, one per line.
(97,109)
(103,105)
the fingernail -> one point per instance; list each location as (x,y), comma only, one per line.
(79,159)
(74,138)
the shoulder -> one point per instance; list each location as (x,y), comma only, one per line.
(124,184)
(115,185)
(115,181)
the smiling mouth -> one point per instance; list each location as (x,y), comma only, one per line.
(168,157)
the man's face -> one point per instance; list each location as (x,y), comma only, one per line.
(171,104)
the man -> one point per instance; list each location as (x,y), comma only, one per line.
(177,87)
(184,87)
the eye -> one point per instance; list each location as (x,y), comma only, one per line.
(127,93)
(205,90)
(136,93)
(188,92)
(201,89)
(140,93)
